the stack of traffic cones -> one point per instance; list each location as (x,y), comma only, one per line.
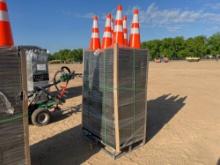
(6,39)
(116,31)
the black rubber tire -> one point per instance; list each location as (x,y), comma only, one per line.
(40,117)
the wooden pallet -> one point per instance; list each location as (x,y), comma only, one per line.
(110,150)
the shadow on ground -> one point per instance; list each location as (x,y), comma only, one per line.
(74,92)
(161,111)
(67,148)
(71,148)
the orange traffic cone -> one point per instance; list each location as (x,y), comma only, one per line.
(135,38)
(125,30)
(118,34)
(95,40)
(6,39)
(107,37)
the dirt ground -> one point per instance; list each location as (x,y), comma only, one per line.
(183,121)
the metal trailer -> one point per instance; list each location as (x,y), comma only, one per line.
(37,66)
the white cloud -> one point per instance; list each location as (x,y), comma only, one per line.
(153,15)
(174,19)
(78,15)
(174,29)
(211,17)
(215,6)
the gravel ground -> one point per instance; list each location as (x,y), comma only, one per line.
(183,121)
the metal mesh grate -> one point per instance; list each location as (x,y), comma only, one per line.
(98,101)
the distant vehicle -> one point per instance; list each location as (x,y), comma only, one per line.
(161,59)
(210,56)
(213,57)
(193,59)
(165,60)
(157,60)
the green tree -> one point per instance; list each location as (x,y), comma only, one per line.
(197,46)
(179,45)
(179,48)
(213,45)
(78,55)
(153,47)
(167,47)
(67,55)
(51,57)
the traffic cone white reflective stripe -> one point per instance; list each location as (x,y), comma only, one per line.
(118,28)
(95,39)
(4,16)
(125,30)
(119,13)
(107,37)
(118,34)
(135,39)
(135,31)
(6,39)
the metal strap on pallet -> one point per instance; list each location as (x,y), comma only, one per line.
(110,88)
(104,99)
(11,118)
(134,92)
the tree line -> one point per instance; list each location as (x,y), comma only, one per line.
(67,56)
(172,48)
(180,48)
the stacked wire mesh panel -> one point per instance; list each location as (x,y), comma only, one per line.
(37,66)
(14,147)
(114,98)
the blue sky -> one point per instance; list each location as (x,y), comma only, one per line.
(55,25)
